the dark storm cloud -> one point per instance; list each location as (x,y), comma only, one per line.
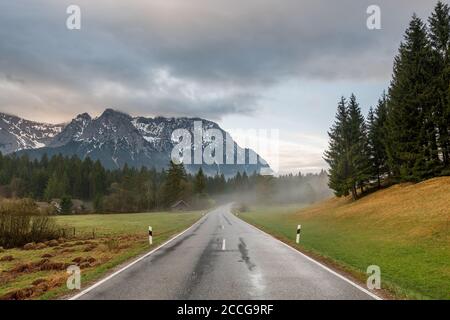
(176,57)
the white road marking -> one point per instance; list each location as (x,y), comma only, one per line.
(95,285)
(223,244)
(318,263)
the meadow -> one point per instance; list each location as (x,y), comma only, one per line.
(96,243)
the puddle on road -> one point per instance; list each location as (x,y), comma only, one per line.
(244,254)
(257,286)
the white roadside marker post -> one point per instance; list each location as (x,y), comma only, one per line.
(150,235)
(299,227)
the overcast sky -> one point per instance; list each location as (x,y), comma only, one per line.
(270,64)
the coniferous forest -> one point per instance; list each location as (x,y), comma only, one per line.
(135,190)
(406,137)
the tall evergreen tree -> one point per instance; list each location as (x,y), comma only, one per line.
(55,187)
(439,34)
(174,184)
(336,155)
(348,151)
(200,182)
(358,152)
(410,124)
(66,204)
(376,140)
(97,181)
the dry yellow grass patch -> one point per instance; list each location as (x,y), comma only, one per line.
(414,210)
(38,270)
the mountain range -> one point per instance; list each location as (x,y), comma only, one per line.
(115,139)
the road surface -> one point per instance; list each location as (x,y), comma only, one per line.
(222,257)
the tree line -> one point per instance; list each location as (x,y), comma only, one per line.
(406,138)
(130,189)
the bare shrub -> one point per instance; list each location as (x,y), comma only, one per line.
(22,222)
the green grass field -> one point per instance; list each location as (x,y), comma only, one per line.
(119,224)
(41,273)
(404,229)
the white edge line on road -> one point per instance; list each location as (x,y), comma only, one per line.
(95,285)
(319,264)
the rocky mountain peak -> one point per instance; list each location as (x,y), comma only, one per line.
(115,138)
(83,116)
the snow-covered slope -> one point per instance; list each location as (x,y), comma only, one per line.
(116,139)
(18,134)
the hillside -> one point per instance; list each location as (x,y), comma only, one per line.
(411,210)
(404,229)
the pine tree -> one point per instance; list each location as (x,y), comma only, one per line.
(66,205)
(413,152)
(348,151)
(244,184)
(439,34)
(336,155)
(97,181)
(38,183)
(377,140)
(55,187)
(221,183)
(358,152)
(174,185)
(200,182)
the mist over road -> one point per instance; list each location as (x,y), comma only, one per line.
(222,257)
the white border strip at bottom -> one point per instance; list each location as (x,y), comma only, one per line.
(95,285)
(317,263)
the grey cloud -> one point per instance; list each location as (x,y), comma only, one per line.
(242,46)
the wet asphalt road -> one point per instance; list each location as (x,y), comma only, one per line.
(222,257)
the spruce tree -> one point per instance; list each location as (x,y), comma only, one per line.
(174,184)
(55,187)
(348,151)
(66,205)
(336,155)
(358,152)
(97,181)
(413,152)
(377,140)
(439,34)
(200,182)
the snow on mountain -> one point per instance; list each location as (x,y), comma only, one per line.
(72,131)
(114,138)
(18,134)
